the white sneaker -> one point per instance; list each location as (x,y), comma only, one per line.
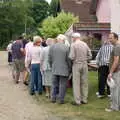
(100,96)
(97,93)
(109,96)
(108,110)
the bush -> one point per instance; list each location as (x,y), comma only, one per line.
(52,26)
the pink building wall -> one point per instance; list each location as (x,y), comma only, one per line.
(103,11)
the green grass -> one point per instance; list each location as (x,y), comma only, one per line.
(94,110)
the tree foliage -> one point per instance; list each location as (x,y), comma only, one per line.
(55,7)
(19,16)
(40,10)
(13,16)
(52,26)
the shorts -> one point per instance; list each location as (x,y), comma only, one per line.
(19,65)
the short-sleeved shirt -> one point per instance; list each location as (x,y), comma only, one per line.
(115,52)
(16,52)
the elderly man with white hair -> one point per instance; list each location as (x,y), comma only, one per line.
(80,53)
(34,59)
(59,61)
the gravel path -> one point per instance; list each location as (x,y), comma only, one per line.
(15,102)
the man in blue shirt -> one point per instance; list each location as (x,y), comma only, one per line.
(18,59)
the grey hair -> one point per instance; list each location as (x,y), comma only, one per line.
(36,39)
(61,37)
(76,35)
(49,41)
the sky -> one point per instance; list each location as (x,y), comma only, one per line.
(48,1)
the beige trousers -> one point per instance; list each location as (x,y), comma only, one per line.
(80,82)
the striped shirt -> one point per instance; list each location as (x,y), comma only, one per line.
(103,56)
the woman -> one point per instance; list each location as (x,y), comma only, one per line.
(34,59)
(46,67)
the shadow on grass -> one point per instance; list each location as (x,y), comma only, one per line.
(94,110)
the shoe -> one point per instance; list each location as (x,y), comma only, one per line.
(16,82)
(25,83)
(32,93)
(39,93)
(100,96)
(82,102)
(53,101)
(109,96)
(75,104)
(61,102)
(97,93)
(47,95)
(108,110)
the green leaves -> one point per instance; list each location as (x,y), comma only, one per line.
(13,17)
(55,7)
(52,26)
(40,10)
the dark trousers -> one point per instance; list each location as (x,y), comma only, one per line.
(35,79)
(103,72)
(9,57)
(59,85)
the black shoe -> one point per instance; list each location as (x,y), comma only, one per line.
(75,104)
(32,93)
(53,101)
(39,93)
(61,102)
(25,83)
(16,82)
(82,102)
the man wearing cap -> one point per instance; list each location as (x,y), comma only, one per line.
(80,53)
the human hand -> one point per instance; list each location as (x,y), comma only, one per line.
(28,70)
(109,76)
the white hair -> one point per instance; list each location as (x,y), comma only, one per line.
(64,39)
(49,41)
(76,35)
(61,37)
(36,39)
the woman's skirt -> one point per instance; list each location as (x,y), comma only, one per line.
(47,78)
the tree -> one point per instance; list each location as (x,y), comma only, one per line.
(55,7)
(13,17)
(40,10)
(52,26)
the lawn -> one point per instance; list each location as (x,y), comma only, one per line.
(94,110)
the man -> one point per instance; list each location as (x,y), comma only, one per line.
(115,73)
(18,59)
(102,60)
(80,54)
(59,61)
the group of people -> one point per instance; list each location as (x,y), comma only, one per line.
(108,61)
(51,66)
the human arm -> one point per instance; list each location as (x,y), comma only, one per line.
(72,52)
(115,63)
(89,54)
(42,57)
(50,56)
